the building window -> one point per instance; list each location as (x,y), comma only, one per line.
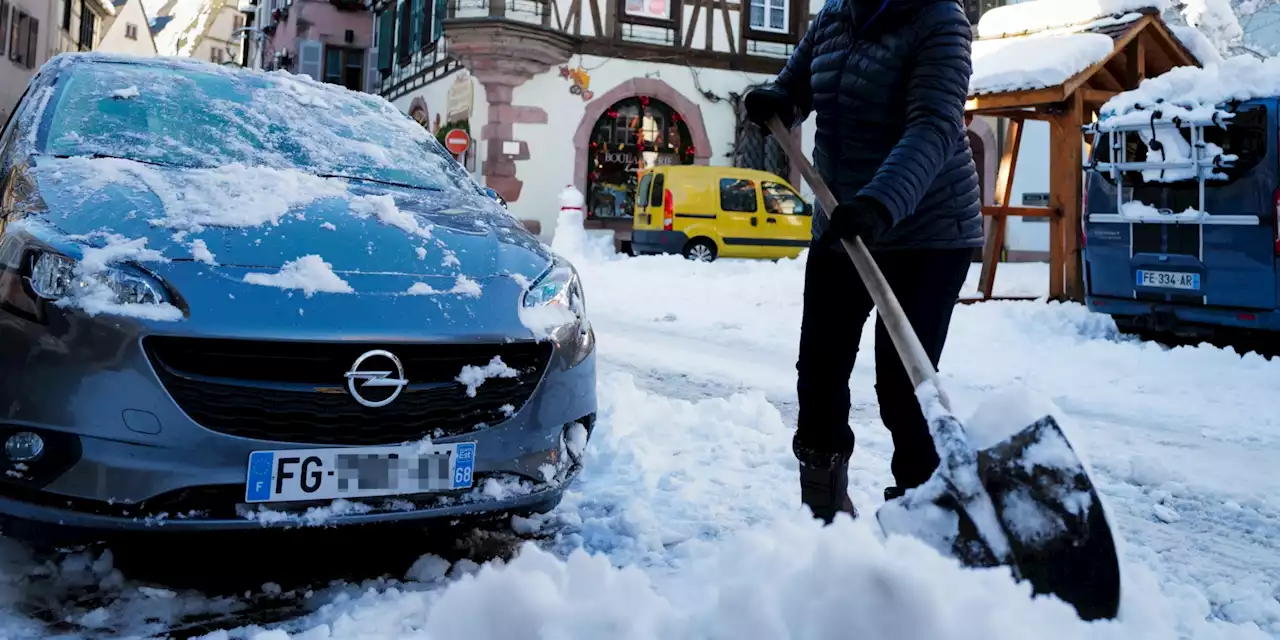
(131,31)
(769,15)
(18,30)
(659,9)
(66,15)
(345,67)
(217,55)
(87,23)
(4,26)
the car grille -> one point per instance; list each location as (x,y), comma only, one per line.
(296,391)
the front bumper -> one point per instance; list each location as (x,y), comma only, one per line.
(122,454)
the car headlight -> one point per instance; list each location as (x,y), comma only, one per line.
(55,277)
(560,287)
(556,308)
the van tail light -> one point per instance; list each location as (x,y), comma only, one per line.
(1084,212)
(668,210)
(1277,221)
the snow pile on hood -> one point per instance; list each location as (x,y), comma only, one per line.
(97,280)
(309,273)
(1193,93)
(1044,15)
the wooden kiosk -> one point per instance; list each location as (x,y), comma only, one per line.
(1144,47)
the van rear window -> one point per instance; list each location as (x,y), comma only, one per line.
(656,197)
(1245,137)
(642,191)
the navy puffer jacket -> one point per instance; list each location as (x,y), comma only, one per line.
(887,88)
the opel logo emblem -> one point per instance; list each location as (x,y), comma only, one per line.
(372,375)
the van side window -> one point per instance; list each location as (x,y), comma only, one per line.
(738,195)
(642,191)
(655,192)
(780,200)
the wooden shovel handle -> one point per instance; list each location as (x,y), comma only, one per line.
(914,359)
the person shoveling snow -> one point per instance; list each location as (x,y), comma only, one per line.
(887,81)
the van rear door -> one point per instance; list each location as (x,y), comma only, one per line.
(1167,251)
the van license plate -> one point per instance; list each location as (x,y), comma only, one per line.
(1169,280)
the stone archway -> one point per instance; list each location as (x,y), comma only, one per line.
(419,112)
(654,88)
(982,140)
(985,150)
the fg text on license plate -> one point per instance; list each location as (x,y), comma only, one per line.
(1168,279)
(358,472)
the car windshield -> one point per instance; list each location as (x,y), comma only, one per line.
(195,117)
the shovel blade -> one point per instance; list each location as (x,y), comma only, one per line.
(1047,507)
(1051,512)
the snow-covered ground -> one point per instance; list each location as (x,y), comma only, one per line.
(686,521)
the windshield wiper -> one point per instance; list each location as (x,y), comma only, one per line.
(138,160)
(386,182)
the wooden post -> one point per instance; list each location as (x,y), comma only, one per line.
(993,243)
(1066,180)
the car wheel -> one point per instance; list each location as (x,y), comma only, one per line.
(701,250)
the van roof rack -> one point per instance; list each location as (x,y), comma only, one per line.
(1200,163)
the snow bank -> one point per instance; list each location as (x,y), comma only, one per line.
(1034,62)
(1042,15)
(792,579)
(1193,93)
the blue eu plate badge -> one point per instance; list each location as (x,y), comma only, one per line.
(260,465)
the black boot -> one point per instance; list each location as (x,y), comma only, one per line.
(824,485)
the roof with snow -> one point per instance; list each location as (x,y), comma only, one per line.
(1040,52)
(159,23)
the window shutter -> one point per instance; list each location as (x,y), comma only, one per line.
(405,32)
(386,38)
(32,41)
(428,24)
(311,58)
(4,26)
(371,74)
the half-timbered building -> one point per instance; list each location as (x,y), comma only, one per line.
(587,92)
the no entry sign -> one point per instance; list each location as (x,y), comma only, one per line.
(457,141)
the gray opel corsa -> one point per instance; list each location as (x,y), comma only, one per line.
(235,300)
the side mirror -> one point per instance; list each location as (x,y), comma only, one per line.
(497,198)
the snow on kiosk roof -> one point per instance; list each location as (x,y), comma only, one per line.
(1059,61)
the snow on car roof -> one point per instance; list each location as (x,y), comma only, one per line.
(1193,93)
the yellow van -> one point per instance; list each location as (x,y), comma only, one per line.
(705,212)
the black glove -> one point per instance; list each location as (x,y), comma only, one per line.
(764,102)
(864,218)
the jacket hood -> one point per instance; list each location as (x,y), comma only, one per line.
(263,218)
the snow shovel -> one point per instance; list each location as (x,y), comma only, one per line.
(1026,502)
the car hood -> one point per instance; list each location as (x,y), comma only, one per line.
(263,218)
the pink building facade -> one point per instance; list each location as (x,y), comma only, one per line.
(329,40)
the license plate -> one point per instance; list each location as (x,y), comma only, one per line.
(1169,280)
(358,472)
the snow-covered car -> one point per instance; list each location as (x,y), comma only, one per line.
(234,299)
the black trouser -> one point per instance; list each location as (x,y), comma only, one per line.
(927,284)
